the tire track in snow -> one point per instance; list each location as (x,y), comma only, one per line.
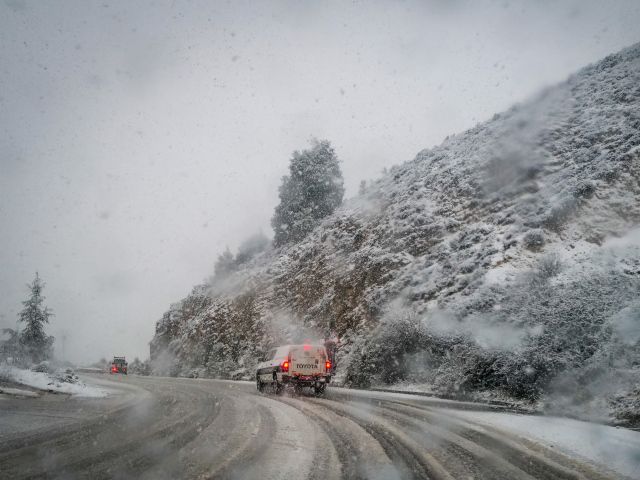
(360,456)
(465,449)
(422,443)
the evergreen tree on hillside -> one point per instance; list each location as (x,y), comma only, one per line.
(35,343)
(251,247)
(225,264)
(312,190)
(139,368)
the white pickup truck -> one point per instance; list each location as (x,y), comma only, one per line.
(296,365)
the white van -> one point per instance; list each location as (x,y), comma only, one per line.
(296,365)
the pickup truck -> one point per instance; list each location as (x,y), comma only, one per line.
(298,366)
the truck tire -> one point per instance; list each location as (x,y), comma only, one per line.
(278,388)
(319,389)
(259,384)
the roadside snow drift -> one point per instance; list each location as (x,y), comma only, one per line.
(51,382)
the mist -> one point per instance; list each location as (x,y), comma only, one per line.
(138,141)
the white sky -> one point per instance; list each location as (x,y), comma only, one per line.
(138,139)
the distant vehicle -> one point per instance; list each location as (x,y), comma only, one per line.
(119,365)
(299,366)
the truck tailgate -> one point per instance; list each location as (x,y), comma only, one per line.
(307,361)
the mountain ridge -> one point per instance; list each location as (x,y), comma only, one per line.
(505,259)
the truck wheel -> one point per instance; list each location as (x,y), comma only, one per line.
(319,389)
(259,384)
(297,389)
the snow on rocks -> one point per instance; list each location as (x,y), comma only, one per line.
(64,381)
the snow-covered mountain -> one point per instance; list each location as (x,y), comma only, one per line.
(507,259)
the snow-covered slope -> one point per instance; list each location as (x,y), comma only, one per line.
(506,259)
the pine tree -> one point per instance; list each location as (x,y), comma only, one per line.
(363,187)
(225,264)
(312,190)
(35,343)
(251,247)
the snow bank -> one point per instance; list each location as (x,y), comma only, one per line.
(16,392)
(48,382)
(617,449)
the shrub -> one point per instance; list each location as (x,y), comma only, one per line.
(534,239)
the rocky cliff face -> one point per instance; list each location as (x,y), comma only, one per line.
(506,259)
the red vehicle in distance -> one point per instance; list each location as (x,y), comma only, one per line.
(119,365)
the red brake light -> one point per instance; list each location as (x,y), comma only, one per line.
(285,366)
(327,365)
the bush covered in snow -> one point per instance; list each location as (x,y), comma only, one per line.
(43,367)
(66,375)
(534,239)
(138,367)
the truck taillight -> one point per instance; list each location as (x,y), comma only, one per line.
(285,366)
(327,365)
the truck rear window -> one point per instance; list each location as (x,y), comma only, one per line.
(308,352)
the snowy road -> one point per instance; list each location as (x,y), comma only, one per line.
(185,428)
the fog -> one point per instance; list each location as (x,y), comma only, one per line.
(138,141)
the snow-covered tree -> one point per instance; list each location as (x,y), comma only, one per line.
(251,247)
(225,264)
(9,344)
(36,344)
(312,190)
(362,189)
(138,367)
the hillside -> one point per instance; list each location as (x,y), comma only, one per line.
(505,260)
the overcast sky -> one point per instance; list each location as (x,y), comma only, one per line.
(138,139)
